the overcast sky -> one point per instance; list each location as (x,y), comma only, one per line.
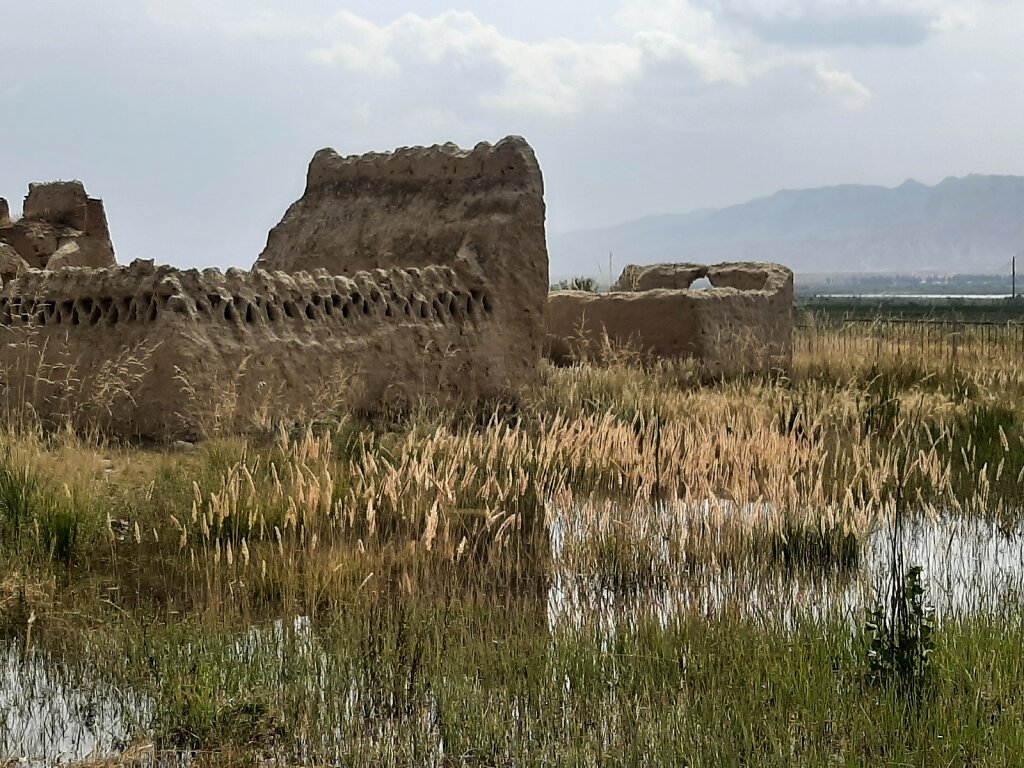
(195,119)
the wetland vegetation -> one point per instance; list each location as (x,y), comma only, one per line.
(824,568)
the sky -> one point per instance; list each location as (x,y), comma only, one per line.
(195,120)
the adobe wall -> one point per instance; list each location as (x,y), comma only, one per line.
(743,323)
(416,274)
(479,212)
(159,352)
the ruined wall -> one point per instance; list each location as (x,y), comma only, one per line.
(479,212)
(60,226)
(744,323)
(154,351)
(396,277)
(58,201)
(11,264)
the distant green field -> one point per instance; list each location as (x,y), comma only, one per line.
(963,310)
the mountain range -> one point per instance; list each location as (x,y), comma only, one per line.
(973,224)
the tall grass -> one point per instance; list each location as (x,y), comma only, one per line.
(629,568)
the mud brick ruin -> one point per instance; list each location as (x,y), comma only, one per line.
(420,273)
(61,226)
(742,324)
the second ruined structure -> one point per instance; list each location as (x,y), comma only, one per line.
(60,226)
(743,323)
(396,277)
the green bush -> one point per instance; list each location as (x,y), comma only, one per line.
(902,637)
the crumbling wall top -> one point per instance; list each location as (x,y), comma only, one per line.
(741,276)
(60,226)
(58,202)
(510,162)
(412,207)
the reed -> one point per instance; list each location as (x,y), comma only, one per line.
(517,586)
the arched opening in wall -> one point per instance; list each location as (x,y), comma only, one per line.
(273,313)
(310,311)
(488,307)
(250,313)
(701,284)
(424,311)
(290,310)
(346,310)
(229,311)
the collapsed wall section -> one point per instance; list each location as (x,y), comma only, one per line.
(742,324)
(479,212)
(159,352)
(60,226)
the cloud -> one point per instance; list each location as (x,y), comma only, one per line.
(679,29)
(557,76)
(454,62)
(843,89)
(703,33)
(714,61)
(831,23)
(359,46)
(231,17)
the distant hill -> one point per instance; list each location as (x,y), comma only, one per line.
(973,224)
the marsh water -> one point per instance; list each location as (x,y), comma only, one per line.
(57,710)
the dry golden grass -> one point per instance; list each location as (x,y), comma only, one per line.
(739,471)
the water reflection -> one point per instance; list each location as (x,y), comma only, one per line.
(53,713)
(50,714)
(971,566)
